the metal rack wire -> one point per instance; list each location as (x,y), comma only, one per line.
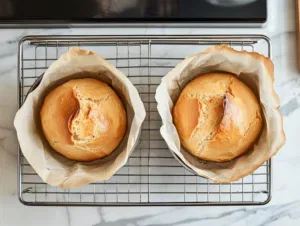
(152,175)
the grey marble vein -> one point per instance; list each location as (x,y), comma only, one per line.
(101,214)
(261,216)
(7,70)
(281,211)
(242,213)
(289,107)
(9,52)
(15,40)
(131,221)
(294,80)
(3,136)
(2,140)
(68,216)
(5,128)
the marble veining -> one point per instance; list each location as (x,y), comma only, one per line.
(289,107)
(255,216)
(284,208)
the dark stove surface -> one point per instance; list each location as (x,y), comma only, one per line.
(93,11)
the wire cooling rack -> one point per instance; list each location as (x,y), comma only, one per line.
(152,175)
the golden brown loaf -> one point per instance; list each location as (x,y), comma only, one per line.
(83,119)
(217,117)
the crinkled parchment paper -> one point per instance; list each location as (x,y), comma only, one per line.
(253,69)
(54,168)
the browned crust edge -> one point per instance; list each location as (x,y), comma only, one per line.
(268,64)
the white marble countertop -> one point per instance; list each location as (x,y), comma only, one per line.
(284,208)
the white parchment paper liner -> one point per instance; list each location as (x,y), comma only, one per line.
(52,167)
(257,72)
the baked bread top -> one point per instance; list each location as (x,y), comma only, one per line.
(83,119)
(217,117)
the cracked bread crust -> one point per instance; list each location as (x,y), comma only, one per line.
(217,117)
(83,119)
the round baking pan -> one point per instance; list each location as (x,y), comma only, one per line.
(35,85)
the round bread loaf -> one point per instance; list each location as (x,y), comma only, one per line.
(217,117)
(83,119)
